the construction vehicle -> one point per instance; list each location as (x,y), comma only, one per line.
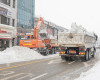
(78,43)
(34,41)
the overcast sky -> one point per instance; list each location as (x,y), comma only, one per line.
(65,12)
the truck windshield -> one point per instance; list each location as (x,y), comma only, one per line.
(27,37)
(32,37)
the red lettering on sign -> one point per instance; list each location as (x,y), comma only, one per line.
(1,31)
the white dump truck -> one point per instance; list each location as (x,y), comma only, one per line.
(77,43)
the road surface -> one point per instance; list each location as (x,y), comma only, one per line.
(46,69)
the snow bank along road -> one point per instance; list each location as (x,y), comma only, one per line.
(18,54)
(52,68)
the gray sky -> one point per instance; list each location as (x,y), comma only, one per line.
(65,12)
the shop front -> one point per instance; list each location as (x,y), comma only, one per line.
(7,36)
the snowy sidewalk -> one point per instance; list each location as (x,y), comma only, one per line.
(93,73)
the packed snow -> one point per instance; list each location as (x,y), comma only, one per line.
(17,54)
(92,74)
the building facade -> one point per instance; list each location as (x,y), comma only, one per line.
(25,14)
(8,22)
(51,28)
(25,17)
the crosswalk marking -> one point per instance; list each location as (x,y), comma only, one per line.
(12,76)
(39,76)
(5,73)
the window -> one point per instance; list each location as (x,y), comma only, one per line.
(3,19)
(13,22)
(13,3)
(7,2)
(8,21)
(32,37)
(27,37)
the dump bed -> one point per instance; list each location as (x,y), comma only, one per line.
(75,39)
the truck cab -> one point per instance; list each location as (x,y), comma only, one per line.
(29,41)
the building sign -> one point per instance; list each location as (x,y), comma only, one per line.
(1,31)
(3,11)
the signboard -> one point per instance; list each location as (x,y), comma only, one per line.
(3,11)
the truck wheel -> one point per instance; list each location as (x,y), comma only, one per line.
(47,52)
(89,54)
(86,56)
(70,58)
(63,57)
(94,53)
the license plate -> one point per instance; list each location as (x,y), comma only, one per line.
(74,52)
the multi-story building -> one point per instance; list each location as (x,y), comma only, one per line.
(25,17)
(8,22)
(61,29)
(51,28)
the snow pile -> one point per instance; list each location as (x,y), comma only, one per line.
(92,74)
(17,54)
(77,29)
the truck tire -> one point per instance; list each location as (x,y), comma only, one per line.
(46,52)
(89,54)
(94,52)
(64,58)
(86,55)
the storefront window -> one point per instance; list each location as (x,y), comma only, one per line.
(4,44)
